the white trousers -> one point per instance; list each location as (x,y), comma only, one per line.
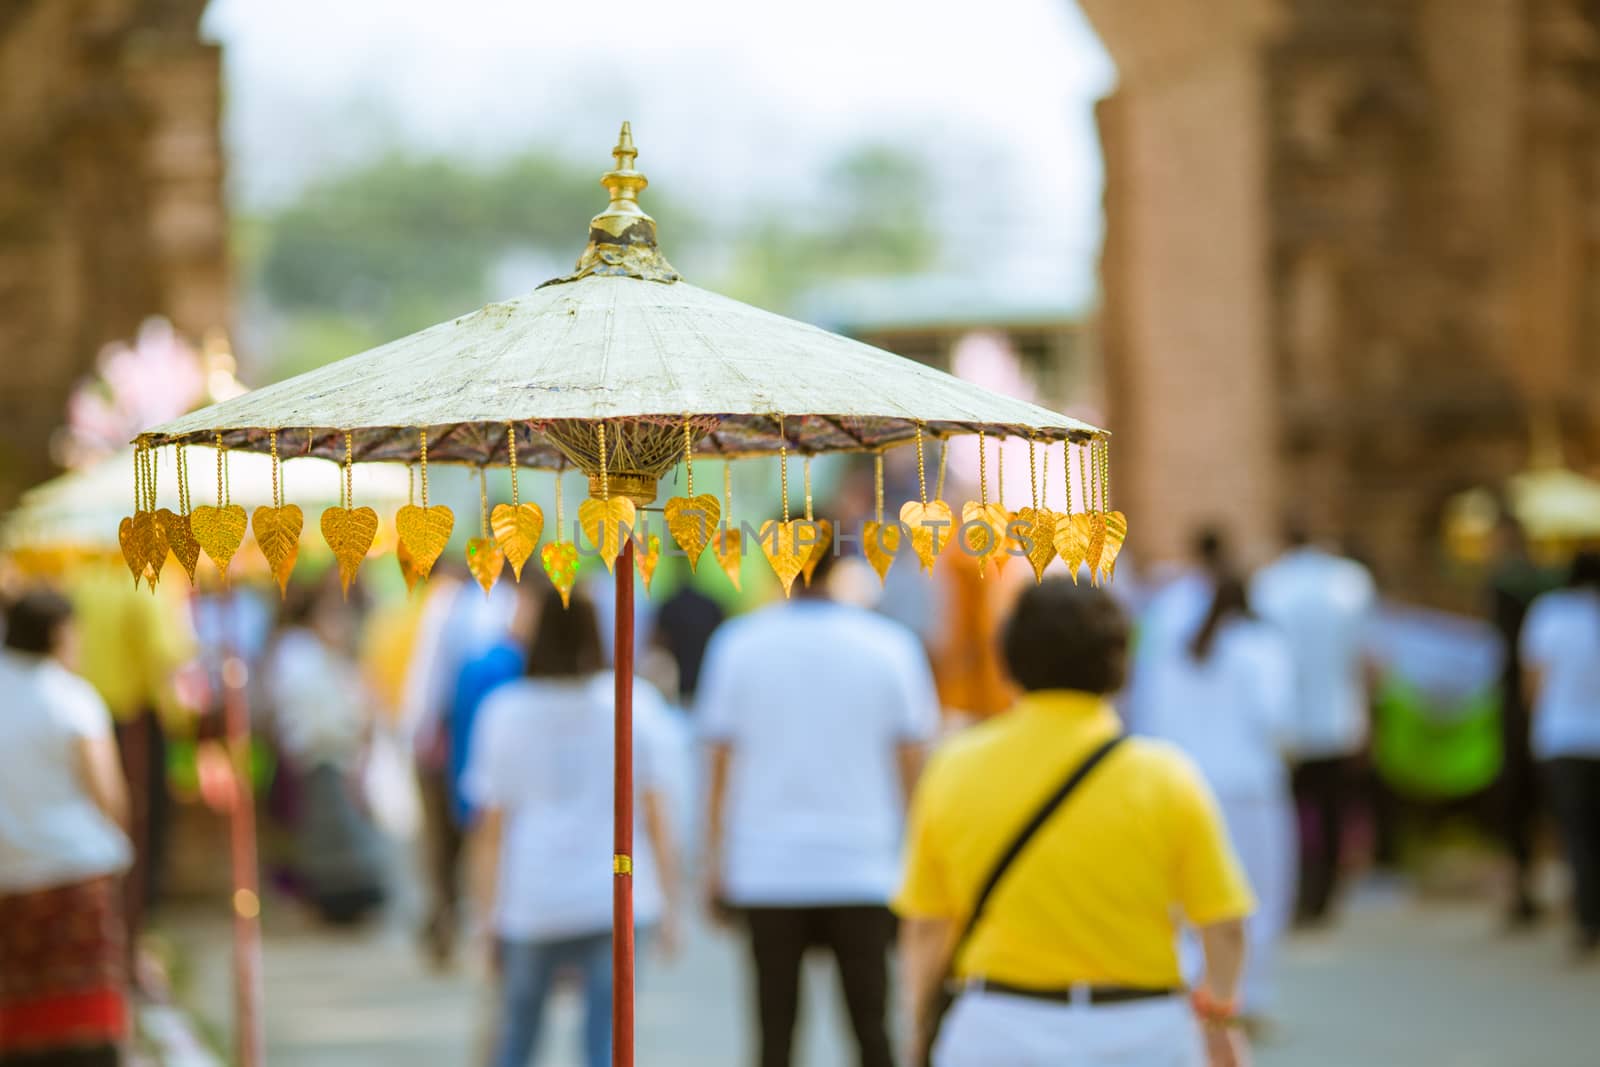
(995,1030)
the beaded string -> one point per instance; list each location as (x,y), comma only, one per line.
(877,488)
(183,480)
(922,477)
(483,504)
(1066,471)
(1044,476)
(983,471)
(138,478)
(727,490)
(511,451)
(1000,472)
(277,493)
(1105,475)
(808,489)
(560,511)
(783,466)
(349,470)
(944,458)
(423,457)
(605,478)
(688,457)
(1083,476)
(1033,473)
(222,481)
(411,485)
(150,477)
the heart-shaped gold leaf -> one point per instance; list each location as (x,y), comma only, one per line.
(151,542)
(424,532)
(220,531)
(560,561)
(277,533)
(984,531)
(726,544)
(349,533)
(880,541)
(485,561)
(1116,534)
(1097,545)
(780,543)
(516,530)
(1072,541)
(646,554)
(132,552)
(1038,529)
(931,526)
(692,521)
(408,566)
(821,533)
(180,538)
(605,523)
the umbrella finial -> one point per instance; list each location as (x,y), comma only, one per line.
(622,238)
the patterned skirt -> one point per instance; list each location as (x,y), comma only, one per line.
(63,975)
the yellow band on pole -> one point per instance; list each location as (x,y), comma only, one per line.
(621,864)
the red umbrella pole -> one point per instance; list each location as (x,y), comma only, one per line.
(622,820)
(246,890)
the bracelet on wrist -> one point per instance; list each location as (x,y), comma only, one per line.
(1213,1010)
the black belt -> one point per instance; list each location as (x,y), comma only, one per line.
(1084,994)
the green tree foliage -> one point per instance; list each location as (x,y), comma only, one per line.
(402,242)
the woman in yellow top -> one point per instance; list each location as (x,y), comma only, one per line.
(1073,958)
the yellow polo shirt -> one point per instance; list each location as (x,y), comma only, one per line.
(1097,894)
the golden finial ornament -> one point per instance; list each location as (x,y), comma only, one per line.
(622,238)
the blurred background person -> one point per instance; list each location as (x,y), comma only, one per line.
(1168,620)
(63,807)
(1561,653)
(1074,958)
(322,712)
(1514,582)
(1323,604)
(683,626)
(816,715)
(540,775)
(1230,708)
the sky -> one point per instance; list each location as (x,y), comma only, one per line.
(730,100)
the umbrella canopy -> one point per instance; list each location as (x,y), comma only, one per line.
(622,338)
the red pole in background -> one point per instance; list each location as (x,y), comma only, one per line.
(246,902)
(622,821)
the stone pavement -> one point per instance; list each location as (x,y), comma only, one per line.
(1398,984)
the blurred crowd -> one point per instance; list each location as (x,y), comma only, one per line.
(1185,768)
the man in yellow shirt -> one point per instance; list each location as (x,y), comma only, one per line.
(1072,959)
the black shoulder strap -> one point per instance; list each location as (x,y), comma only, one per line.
(1018,843)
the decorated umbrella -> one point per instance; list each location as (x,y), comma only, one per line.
(622,369)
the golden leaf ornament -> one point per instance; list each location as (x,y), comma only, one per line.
(1116,534)
(277,533)
(931,526)
(485,561)
(1097,545)
(424,532)
(983,530)
(603,523)
(880,541)
(821,535)
(132,552)
(780,543)
(517,528)
(180,538)
(1039,526)
(151,540)
(560,562)
(220,531)
(646,554)
(408,566)
(349,533)
(1072,541)
(730,553)
(692,522)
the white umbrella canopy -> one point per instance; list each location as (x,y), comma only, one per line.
(622,339)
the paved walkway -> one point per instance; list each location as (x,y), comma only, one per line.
(1398,984)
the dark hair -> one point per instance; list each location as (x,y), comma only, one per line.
(1585,572)
(566,641)
(1066,636)
(34,622)
(1210,547)
(1231,601)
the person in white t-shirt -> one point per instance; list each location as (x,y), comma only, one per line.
(816,715)
(1229,705)
(1323,605)
(63,807)
(539,770)
(1561,657)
